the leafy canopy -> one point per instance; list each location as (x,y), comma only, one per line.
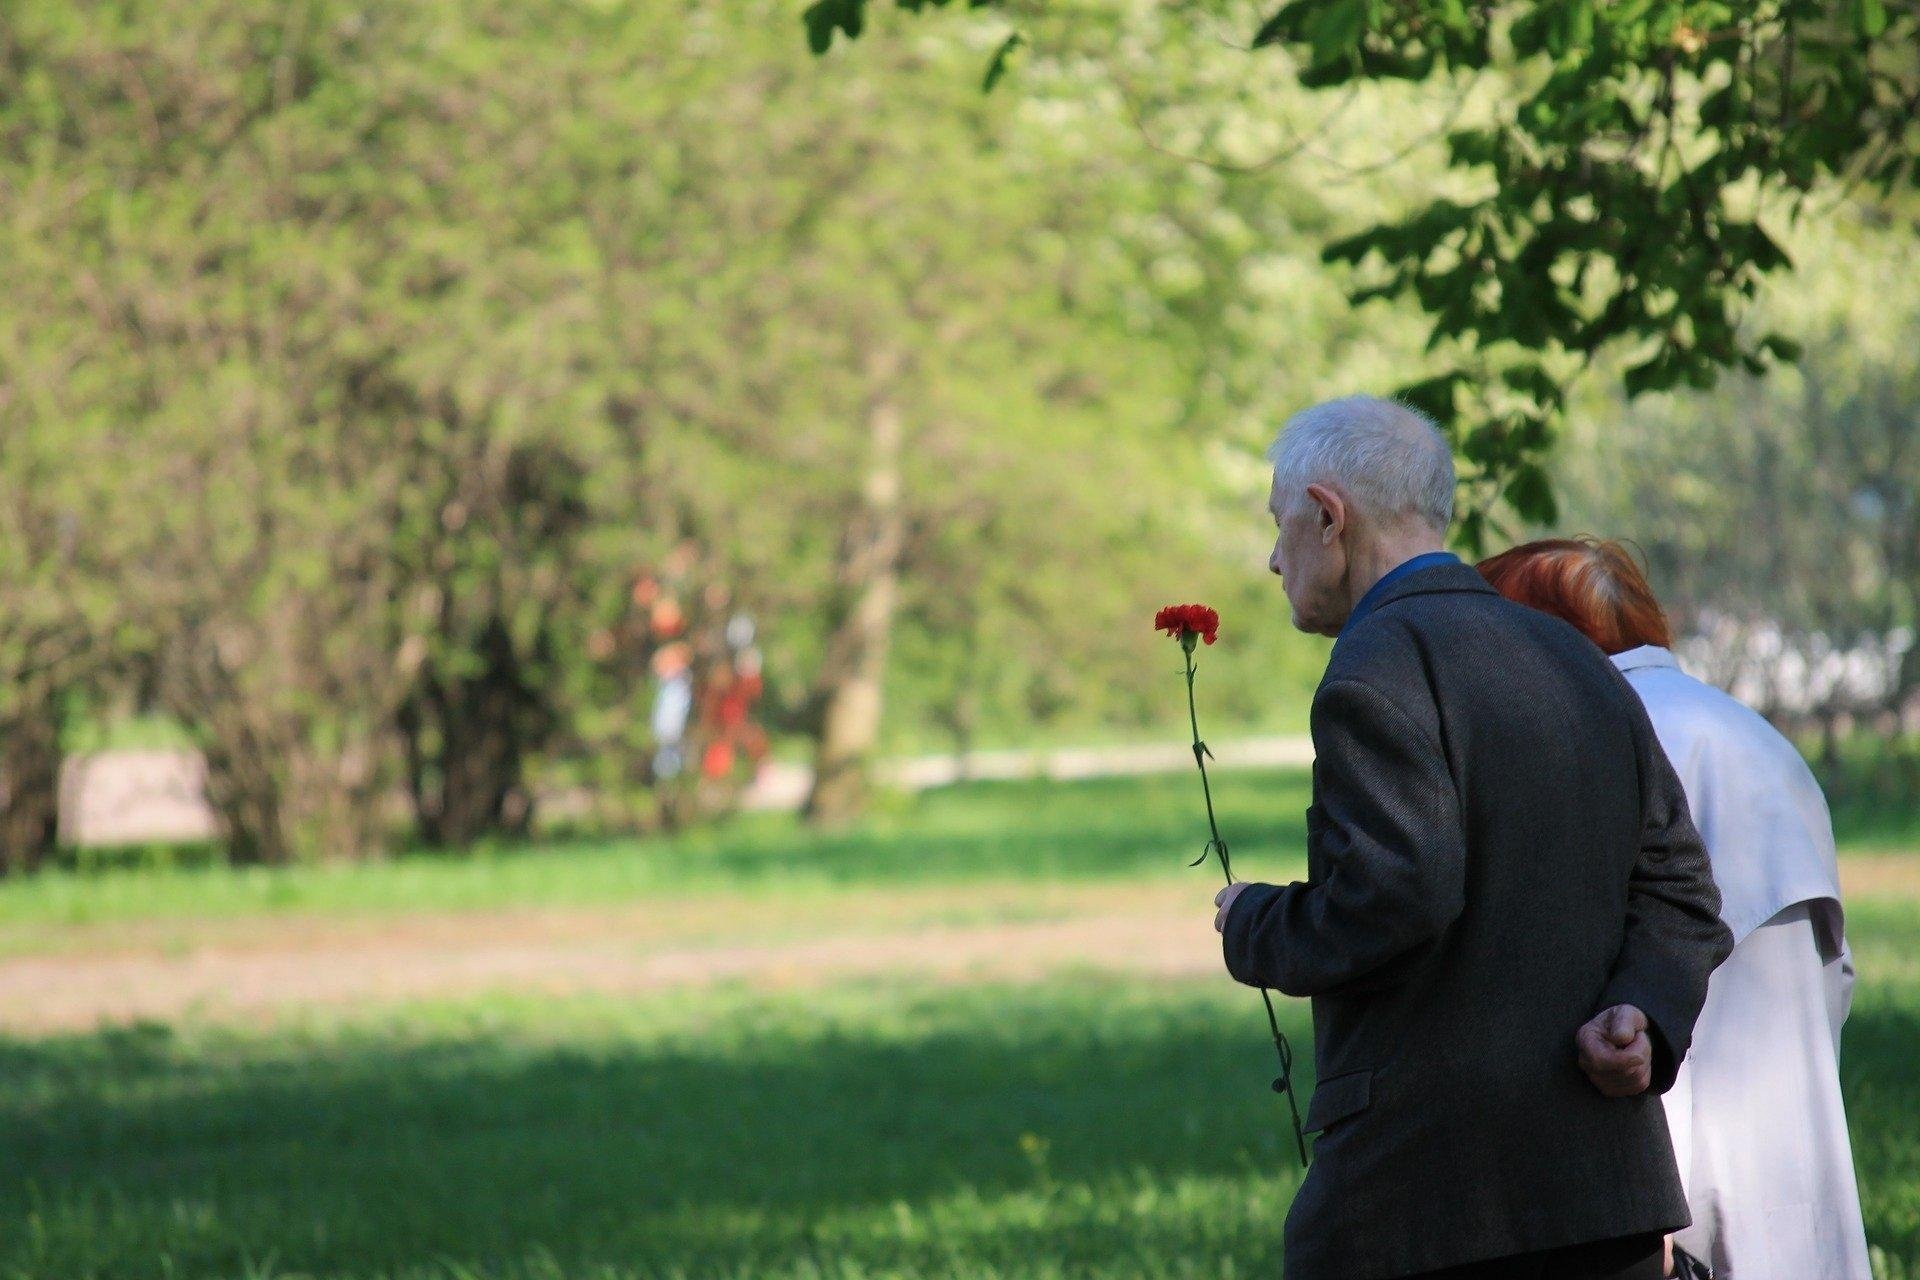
(1619,193)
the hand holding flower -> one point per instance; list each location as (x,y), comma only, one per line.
(1224,901)
(1193,624)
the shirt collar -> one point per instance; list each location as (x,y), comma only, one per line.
(1647,655)
(1371,599)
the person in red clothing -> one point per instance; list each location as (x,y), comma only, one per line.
(728,712)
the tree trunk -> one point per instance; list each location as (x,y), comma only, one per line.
(466,741)
(245,787)
(856,665)
(30,758)
(961,715)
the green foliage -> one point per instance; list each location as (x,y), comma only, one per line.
(826,18)
(1619,189)
(374,351)
(1782,516)
(1626,179)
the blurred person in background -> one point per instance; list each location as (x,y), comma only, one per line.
(727,713)
(1758,1127)
(672,703)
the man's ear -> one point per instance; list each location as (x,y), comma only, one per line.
(1333,511)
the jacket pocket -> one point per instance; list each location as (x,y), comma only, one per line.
(1339,1098)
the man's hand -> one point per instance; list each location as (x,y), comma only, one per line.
(1224,901)
(1616,1052)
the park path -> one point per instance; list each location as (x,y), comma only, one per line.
(134,796)
(254,968)
(249,969)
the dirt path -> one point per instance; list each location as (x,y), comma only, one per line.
(247,970)
(252,968)
(38,996)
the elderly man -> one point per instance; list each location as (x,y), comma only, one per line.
(1508,921)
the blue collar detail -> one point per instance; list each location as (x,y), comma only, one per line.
(1371,600)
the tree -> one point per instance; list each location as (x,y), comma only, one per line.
(57,612)
(76,503)
(1781,518)
(419,332)
(1621,189)
(953,327)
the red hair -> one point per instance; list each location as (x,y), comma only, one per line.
(1593,583)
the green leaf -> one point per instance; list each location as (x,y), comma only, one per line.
(824,17)
(1530,493)
(1653,374)
(1470,533)
(1781,347)
(1335,30)
(1870,17)
(1433,396)
(997,66)
(1274,30)
(1532,380)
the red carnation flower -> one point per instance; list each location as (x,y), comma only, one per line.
(1189,624)
(1182,620)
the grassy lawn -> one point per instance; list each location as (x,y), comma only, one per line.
(1123,828)
(1080,1125)
(1009,832)
(1073,1128)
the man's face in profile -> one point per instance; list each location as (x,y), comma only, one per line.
(1310,558)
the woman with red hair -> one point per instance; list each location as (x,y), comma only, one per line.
(1758,1128)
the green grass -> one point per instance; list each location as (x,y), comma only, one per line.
(1082,1126)
(1122,828)
(1118,828)
(1873,788)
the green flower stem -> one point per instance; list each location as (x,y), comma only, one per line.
(1284,1084)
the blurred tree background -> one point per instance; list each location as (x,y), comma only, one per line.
(1615,179)
(370,375)
(1781,516)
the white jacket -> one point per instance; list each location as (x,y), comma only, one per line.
(1758,1127)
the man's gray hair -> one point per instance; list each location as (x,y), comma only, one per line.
(1387,457)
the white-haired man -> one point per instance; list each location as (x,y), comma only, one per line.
(1508,921)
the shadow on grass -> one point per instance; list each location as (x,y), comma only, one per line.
(1083,1129)
(733,1151)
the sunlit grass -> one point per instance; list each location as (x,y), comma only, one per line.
(1109,828)
(1115,828)
(1086,1126)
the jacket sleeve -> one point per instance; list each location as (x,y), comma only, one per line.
(1674,936)
(1391,850)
